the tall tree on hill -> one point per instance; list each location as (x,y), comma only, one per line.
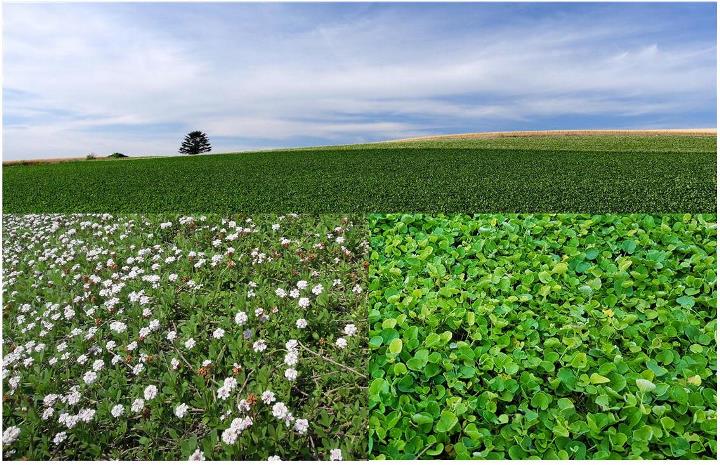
(195,142)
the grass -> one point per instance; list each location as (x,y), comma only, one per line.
(161,337)
(531,174)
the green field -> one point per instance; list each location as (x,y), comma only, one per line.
(521,174)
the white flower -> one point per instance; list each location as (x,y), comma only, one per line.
(301,425)
(60,437)
(174,363)
(301,323)
(132,346)
(98,365)
(190,343)
(10,435)
(47,413)
(197,456)
(291,344)
(137,369)
(317,290)
(229,436)
(302,284)
(291,374)
(230,383)
(294,293)
(110,345)
(117,410)
(280,411)
(350,330)
(137,406)
(181,410)
(357,289)
(268,397)
(150,392)
(341,342)
(241,318)
(171,335)
(86,415)
(280,292)
(259,345)
(73,396)
(274,458)
(243,405)
(118,327)
(336,454)
(275,226)
(90,377)
(223,392)
(303,302)
(291,358)
(218,333)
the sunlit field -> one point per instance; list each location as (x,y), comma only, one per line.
(511,174)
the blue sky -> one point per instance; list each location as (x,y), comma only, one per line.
(135,78)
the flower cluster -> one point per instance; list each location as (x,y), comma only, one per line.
(197,328)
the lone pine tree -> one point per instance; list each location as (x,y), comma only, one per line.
(195,142)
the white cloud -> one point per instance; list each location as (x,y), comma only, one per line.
(90,71)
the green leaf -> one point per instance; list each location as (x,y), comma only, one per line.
(595,378)
(643,434)
(541,400)
(686,301)
(422,418)
(645,385)
(395,346)
(447,422)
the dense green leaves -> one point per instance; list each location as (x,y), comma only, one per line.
(543,336)
(523,174)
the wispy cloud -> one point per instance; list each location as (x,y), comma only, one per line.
(136,77)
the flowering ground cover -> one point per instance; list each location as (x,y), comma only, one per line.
(175,337)
(522,174)
(543,336)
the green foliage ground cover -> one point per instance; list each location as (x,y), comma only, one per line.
(165,337)
(543,174)
(543,336)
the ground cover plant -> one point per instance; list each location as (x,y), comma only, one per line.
(543,336)
(176,337)
(543,174)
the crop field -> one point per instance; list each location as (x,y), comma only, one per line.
(523,174)
(543,336)
(175,337)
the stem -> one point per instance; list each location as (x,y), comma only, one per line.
(332,361)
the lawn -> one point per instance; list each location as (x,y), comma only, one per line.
(521,174)
(543,336)
(168,338)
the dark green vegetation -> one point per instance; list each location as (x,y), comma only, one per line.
(542,174)
(543,336)
(195,142)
